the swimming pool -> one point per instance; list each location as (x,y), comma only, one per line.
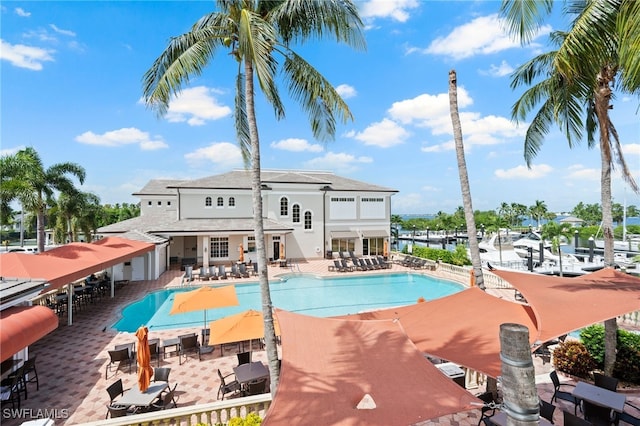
(310,295)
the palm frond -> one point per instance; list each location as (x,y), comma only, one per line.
(628,29)
(186,55)
(241,121)
(298,20)
(537,131)
(316,95)
(530,71)
(524,17)
(618,156)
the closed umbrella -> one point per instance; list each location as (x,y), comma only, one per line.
(246,325)
(282,256)
(204,298)
(385,250)
(145,371)
(241,256)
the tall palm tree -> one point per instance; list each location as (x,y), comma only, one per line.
(574,85)
(77,212)
(538,211)
(257,33)
(26,179)
(472,232)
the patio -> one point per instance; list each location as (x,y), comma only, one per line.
(71,360)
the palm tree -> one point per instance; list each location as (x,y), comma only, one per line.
(77,212)
(538,211)
(256,33)
(25,179)
(472,232)
(574,85)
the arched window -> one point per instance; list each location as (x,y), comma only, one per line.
(295,210)
(232,202)
(307,220)
(207,202)
(220,202)
(284,206)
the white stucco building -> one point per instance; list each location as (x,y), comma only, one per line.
(308,214)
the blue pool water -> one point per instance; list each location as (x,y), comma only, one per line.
(321,297)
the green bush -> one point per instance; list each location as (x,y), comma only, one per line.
(627,366)
(456,257)
(593,339)
(252,419)
(572,357)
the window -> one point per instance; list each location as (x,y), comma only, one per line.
(149,203)
(307,220)
(232,202)
(220,202)
(373,246)
(207,202)
(342,199)
(168,203)
(296,213)
(251,244)
(159,203)
(284,206)
(338,245)
(219,247)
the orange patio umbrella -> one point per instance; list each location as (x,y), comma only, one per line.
(246,325)
(144,359)
(205,298)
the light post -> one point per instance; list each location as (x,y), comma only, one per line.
(428,245)
(413,238)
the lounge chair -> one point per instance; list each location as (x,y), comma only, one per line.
(372,263)
(243,270)
(336,267)
(222,273)
(204,274)
(255,270)
(213,273)
(383,262)
(345,267)
(364,266)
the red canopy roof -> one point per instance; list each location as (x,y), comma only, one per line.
(74,261)
(24,325)
(563,304)
(463,328)
(328,366)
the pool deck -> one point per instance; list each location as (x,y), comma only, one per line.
(71,360)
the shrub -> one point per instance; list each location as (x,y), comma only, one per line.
(627,367)
(252,419)
(573,358)
(593,339)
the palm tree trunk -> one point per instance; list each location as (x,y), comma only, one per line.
(464,181)
(602,103)
(40,226)
(261,252)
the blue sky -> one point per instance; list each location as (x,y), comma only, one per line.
(71,87)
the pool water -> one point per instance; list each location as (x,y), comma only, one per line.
(321,297)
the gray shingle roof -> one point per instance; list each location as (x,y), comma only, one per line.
(160,187)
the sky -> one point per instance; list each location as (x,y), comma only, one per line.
(71,87)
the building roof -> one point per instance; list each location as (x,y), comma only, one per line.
(241,179)
(166,223)
(159,187)
(14,290)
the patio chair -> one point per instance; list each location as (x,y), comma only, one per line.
(574,420)
(558,393)
(10,389)
(345,266)
(114,411)
(546,410)
(234,272)
(154,349)
(597,414)
(255,270)
(371,264)
(488,410)
(204,274)
(244,358)
(605,382)
(225,388)
(213,273)
(117,357)
(161,374)
(384,263)
(256,387)
(166,400)
(222,273)
(188,344)
(205,348)
(114,390)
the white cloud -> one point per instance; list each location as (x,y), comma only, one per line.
(429,188)
(482,36)
(383,134)
(296,145)
(427,108)
(346,91)
(398,10)
(11,151)
(61,31)
(224,154)
(120,137)
(523,172)
(441,147)
(196,106)
(579,172)
(21,12)
(498,70)
(22,56)
(631,149)
(339,162)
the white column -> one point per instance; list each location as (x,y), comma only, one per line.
(205,252)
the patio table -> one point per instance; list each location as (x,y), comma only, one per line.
(600,396)
(246,373)
(142,399)
(170,343)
